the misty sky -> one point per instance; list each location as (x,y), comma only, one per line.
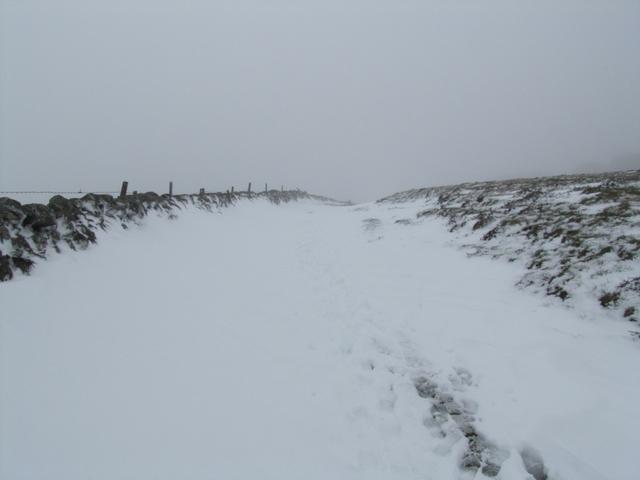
(348,98)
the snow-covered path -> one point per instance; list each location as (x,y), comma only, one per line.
(286,342)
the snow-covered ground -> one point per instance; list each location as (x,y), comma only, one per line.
(576,237)
(304,341)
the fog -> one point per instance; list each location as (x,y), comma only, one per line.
(348,98)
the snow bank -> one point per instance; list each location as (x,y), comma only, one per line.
(577,237)
(28,233)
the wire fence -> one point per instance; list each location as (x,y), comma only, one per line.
(43,196)
(78,192)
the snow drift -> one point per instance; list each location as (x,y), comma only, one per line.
(28,233)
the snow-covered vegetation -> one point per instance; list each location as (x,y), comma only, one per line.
(577,236)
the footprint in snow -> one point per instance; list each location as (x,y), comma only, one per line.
(372,225)
(451,420)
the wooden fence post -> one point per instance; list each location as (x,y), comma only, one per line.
(171,189)
(202,192)
(249,188)
(265,188)
(123,189)
(231,189)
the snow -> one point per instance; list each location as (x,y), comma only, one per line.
(281,342)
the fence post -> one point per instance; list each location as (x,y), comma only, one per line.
(123,189)
(202,192)
(265,188)
(249,188)
(171,189)
(231,189)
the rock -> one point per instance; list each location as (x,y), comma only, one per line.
(4,233)
(10,211)
(97,198)
(62,207)
(151,197)
(37,217)
(6,273)
(23,264)
(20,245)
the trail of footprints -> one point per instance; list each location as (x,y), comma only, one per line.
(451,419)
(481,453)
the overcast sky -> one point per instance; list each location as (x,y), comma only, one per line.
(348,98)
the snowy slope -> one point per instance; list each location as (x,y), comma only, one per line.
(577,237)
(304,341)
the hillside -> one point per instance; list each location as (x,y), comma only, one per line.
(577,236)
